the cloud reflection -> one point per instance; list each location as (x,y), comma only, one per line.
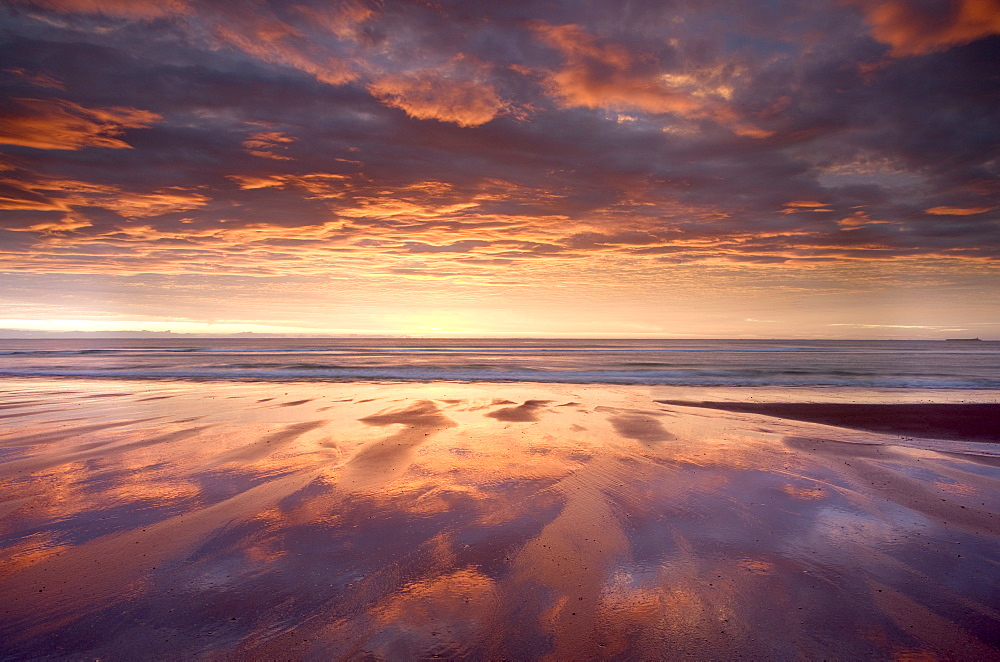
(407,521)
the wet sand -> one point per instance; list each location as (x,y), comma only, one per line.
(155,520)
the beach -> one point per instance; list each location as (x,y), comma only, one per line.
(409,520)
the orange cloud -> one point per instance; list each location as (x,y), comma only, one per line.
(38,195)
(343,20)
(910,30)
(127,8)
(59,124)
(605,76)
(611,77)
(141,205)
(277,42)
(68,223)
(63,195)
(437,95)
(259,34)
(61,185)
(805,203)
(263,144)
(317,184)
(957,211)
(797,206)
(25,200)
(860,219)
(41,80)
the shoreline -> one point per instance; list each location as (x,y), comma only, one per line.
(509,520)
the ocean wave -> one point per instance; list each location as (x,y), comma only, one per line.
(493,350)
(431,374)
(923,365)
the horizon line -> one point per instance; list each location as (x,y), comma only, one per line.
(152,335)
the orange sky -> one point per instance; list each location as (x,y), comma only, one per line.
(781,169)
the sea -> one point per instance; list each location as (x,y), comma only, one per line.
(928,364)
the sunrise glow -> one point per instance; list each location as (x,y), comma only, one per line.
(812,170)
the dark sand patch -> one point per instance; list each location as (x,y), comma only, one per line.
(295,403)
(960,421)
(271,443)
(16,404)
(380,459)
(422,414)
(36,412)
(334,404)
(641,428)
(838,448)
(603,409)
(523,413)
(155,397)
(94,450)
(68,433)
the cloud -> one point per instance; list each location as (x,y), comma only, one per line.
(277,42)
(139,9)
(265,143)
(529,135)
(799,206)
(64,224)
(40,80)
(322,185)
(344,19)
(613,77)
(957,211)
(27,201)
(912,27)
(47,194)
(60,124)
(608,76)
(157,203)
(467,101)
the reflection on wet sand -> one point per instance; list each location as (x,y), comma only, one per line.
(485,521)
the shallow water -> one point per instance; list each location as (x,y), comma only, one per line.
(159,520)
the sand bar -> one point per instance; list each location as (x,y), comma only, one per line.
(159,520)
(960,421)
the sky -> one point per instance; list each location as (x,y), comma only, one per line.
(667,168)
